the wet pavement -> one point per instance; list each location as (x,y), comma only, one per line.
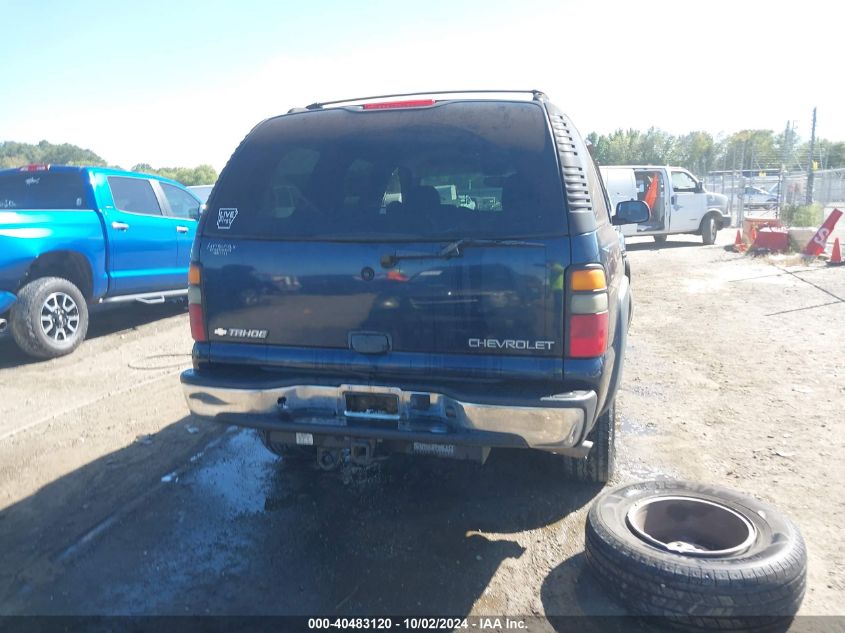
(239,531)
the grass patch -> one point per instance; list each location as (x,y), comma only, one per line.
(802,214)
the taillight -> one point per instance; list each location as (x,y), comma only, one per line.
(36,167)
(588,313)
(195,313)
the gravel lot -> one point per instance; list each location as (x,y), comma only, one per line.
(735,375)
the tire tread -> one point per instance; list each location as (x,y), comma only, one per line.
(755,594)
(22,323)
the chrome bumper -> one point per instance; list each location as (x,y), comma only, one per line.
(553,423)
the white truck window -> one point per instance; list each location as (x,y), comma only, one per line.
(682,182)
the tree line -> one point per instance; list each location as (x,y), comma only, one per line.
(13,154)
(701,152)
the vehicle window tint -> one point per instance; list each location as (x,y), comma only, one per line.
(601,206)
(43,190)
(182,204)
(454,170)
(682,181)
(134,195)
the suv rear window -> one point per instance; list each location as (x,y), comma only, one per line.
(461,169)
(43,190)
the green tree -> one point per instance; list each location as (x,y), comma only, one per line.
(13,154)
(697,152)
(200,175)
(750,150)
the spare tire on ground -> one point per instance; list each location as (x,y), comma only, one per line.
(698,556)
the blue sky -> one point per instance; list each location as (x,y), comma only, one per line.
(180,83)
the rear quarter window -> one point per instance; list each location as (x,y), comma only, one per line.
(462,169)
(43,190)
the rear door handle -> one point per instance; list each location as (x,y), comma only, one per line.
(119,226)
(181,229)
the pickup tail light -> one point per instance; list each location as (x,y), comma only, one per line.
(588,313)
(195,312)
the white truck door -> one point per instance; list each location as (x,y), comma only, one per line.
(687,205)
(620,185)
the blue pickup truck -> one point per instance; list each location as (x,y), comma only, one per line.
(71,237)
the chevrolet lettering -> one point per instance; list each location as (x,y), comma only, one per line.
(492,343)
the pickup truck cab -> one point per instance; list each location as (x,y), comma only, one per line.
(676,199)
(74,236)
(342,302)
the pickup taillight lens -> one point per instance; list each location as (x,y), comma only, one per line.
(588,313)
(195,313)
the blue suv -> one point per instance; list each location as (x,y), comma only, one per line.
(433,274)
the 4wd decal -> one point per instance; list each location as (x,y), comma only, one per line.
(237,332)
(225,218)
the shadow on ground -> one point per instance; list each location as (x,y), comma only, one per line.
(651,245)
(241,533)
(103,321)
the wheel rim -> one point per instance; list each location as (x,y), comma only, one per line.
(60,317)
(711,230)
(691,527)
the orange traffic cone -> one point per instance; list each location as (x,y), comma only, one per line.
(753,234)
(836,255)
(739,245)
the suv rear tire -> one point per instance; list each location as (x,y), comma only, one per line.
(598,466)
(50,318)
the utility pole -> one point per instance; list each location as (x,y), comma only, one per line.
(741,214)
(782,175)
(810,161)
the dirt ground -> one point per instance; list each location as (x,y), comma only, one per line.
(114,500)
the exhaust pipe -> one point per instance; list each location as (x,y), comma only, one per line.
(4,325)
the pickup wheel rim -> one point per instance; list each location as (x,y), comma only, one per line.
(59,317)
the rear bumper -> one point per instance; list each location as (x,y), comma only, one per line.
(6,300)
(553,423)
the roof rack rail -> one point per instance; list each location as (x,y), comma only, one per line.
(537,95)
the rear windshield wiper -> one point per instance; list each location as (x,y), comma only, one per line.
(455,249)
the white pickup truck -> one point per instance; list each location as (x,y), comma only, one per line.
(677,201)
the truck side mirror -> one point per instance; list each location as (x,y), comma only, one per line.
(699,187)
(631,212)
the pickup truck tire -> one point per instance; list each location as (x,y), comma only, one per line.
(38,302)
(708,231)
(598,466)
(748,573)
(659,239)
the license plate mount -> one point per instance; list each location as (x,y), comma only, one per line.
(373,406)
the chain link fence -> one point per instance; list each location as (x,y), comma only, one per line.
(763,194)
